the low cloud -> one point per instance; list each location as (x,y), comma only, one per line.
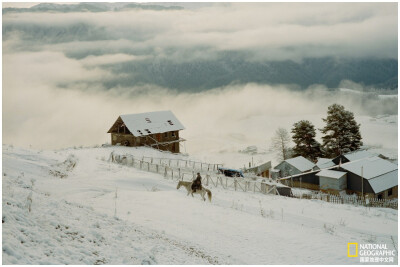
(62,72)
(36,112)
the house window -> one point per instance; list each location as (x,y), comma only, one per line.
(148,120)
(390,192)
(140,132)
(148,131)
(170,122)
(166,134)
(173,134)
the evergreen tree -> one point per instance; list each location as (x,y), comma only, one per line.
(342,133)
(304,138)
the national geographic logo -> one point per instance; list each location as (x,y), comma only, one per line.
(374,253)
(352,249)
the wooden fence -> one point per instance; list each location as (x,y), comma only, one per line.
(349,199)
(181,163)
(179,170)
(185,170)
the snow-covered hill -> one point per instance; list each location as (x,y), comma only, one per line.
(72,206)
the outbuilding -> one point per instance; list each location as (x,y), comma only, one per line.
(294,166)
(262,170)
(323,163)
(332,181)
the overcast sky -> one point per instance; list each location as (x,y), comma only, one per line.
(53,61)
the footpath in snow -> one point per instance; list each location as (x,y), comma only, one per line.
(73,207)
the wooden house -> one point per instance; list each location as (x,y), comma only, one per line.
(159,129)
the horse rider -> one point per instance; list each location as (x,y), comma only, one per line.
(197,183)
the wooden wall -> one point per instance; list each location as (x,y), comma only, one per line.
(148,140)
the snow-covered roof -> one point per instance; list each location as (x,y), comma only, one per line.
(261,168)
(324,163)
(362,154)
(151,122)
(301,163)
(384,182)
(331,174)
(372,167)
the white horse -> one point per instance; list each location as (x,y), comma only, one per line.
(202,192)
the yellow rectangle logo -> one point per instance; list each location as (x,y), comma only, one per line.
(356,250)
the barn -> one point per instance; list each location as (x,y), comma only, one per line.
(375,177)
(352,156)
(158,129)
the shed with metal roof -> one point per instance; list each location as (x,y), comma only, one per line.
(330,180)
(294,166)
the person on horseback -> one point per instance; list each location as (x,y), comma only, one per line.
(197,183)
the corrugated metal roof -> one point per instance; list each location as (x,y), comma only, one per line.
(301,163)
(362,154)
(151,122)
(372,167)
(324,163)
(331,174)
(384,182)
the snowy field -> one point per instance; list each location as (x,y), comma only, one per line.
(85,210)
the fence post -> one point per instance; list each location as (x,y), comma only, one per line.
(207,177)
(179,173)
(235,182)
(148,166)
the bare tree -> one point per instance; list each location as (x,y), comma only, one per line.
(280,144)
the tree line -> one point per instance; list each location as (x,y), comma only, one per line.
(341,135)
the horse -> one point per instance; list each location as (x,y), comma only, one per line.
(202,192)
